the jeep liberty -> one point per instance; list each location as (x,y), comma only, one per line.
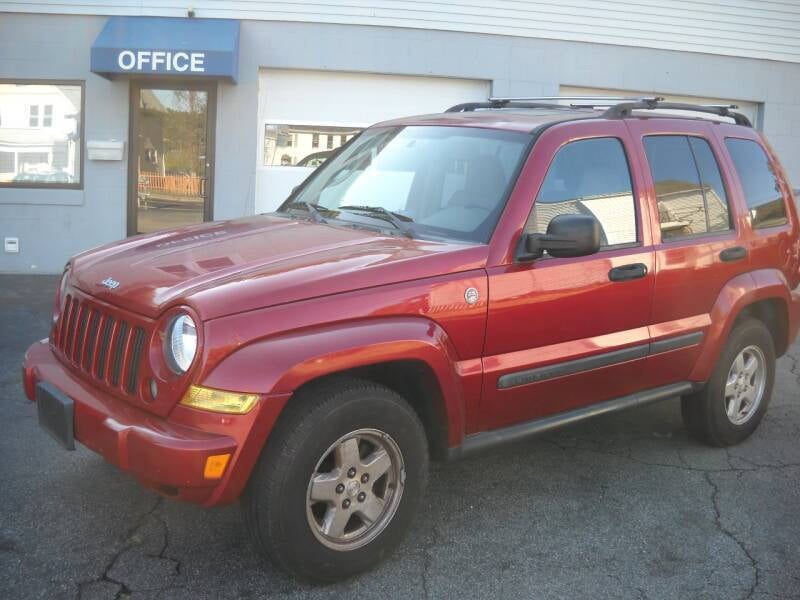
(441,284)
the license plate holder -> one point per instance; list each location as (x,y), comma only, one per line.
(56,414)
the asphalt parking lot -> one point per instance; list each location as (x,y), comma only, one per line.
(625,506)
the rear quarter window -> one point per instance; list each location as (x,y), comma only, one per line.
(760,185)
(690,194)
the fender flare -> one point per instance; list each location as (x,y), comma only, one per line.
(735,296)
(281,364)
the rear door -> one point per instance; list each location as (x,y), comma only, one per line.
(568,332)
(699,242)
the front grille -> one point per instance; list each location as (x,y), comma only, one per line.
(102,346)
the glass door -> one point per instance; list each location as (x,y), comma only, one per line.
(170,162)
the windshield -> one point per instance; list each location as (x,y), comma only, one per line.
(438,182)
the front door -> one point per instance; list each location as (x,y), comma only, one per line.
(568,332)
(170,164)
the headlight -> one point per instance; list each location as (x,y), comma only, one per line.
(62,287)
(181,343)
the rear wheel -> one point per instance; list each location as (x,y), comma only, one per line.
(730,407)
(339,480)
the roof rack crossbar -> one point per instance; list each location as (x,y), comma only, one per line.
(625,109)
(608,99)
(471,106)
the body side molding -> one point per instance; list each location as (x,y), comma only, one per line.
(597,361)
(486,439)
(679,341)
(571,367)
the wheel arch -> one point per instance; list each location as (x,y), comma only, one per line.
(415,381)
(411,355)
(774,314)
(762,294)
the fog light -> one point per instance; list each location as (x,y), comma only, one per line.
(219,400)
(215,466)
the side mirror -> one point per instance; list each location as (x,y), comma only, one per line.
(567,235)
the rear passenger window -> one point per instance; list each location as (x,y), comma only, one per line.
(719,218)
(589,177)
(759,183)
(690,194)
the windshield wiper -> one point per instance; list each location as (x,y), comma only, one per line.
(316,215)
(399,221)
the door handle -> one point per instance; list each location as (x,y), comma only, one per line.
(731,254)
(628,272)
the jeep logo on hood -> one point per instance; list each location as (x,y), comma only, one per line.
(110,283)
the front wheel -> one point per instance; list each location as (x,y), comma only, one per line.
(730,407)
(339,480)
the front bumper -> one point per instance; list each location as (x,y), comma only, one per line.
(169,454)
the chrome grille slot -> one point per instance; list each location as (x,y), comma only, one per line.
(136,355)
(70,323)
(91,339)
(102,351)
(116,353)
(80,333)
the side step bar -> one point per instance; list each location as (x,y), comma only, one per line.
(478,442)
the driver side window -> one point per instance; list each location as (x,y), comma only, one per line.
(589,177)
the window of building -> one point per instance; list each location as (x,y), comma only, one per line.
(589,177)
(759,183)
(299,145)
(7,163)
(690,194)
(41,136)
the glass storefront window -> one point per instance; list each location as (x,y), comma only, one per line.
(172,155)
(40,134)
(299,145)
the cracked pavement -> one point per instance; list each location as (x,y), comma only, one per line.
(624,506)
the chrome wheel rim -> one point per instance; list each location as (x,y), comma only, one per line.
(744,388)
(355,489)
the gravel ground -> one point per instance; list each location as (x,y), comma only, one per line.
(625,506)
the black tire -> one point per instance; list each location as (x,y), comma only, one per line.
(274,501)
(704,412)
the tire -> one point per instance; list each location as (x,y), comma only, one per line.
(287,525)
(706,413)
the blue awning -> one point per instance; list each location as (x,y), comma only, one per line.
(162,46)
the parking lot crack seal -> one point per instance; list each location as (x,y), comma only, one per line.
(162,553)
(105,576)
(732,536)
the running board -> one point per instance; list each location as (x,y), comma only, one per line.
(478,442)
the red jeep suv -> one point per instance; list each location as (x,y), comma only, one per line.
(440,285)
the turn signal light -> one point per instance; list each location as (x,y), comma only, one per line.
(218,400)
(215,466)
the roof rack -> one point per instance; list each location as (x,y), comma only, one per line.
(721,110)
(546,102)
(617,106)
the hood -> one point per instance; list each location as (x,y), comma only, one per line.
(227,267)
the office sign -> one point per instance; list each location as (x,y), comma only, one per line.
(167,46)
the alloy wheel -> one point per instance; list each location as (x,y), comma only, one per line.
(744,387)
(355,489)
